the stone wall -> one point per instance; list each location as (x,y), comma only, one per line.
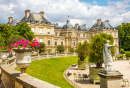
(10,79)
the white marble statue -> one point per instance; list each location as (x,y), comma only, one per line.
(107,58)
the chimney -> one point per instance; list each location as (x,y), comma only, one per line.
(99,22)
(27,13)
(76,26)
(84,25)
(57,24)
(42,13)
(10,19)
(107,21)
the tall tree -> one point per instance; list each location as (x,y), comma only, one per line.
(124,36)
(24,30)
(5,31)
(96,48)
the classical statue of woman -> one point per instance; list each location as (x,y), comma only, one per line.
(107,58)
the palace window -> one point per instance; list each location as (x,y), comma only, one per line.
(55,43)
(83,35)
(32,30)
(79,35)
(62,42)
(48,41)
(40,40)
(40,31)
(73,42)
(56,34)
(48,32)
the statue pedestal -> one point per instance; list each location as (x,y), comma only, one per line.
(110,79)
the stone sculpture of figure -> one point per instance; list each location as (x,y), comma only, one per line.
(107,58)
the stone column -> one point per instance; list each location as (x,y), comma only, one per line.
(110,79)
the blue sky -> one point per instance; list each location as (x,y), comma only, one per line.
(80,11)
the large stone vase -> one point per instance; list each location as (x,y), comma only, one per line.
(3,56)
(23,58)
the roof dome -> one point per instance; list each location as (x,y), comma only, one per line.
(68,25)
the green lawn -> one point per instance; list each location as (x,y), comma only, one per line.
(51,70)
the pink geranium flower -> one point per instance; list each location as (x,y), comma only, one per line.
(0,46)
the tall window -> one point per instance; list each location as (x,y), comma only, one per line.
(83,35)
(48,41)
(32,30)
(40,31)
(48,31)
(56,34)
(62,42)
(114,41)
(73,42)
(40,40)
(79,35)
(55,43)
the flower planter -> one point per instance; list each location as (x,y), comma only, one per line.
(93,71)
(23,58)
(4,55)
(82,64)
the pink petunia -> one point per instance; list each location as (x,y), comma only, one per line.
(0,46)
(35,40)
(9,50)
(12,45)
(26,41)
(16,46)
(24,45)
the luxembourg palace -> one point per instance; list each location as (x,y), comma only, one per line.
(68,35)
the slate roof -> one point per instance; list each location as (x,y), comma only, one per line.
(35,18)
(14,22)
(68,25)
(104,25)
(82,28)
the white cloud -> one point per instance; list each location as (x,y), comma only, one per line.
(58,11)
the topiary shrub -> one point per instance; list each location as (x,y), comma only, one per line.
(60,48)
(83,50)
(72,50)
(127,53)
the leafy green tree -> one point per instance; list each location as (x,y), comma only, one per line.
(5,31)
(60,48)
(96,48)
(2,41)
(42,47)
(13,39)
(83,50)
(72,50)
(124,36)
(122,52)
(24,30)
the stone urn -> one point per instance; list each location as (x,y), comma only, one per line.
(23,58)
(3,56)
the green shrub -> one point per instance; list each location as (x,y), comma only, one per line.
(72,50)
(83,50)
(96,48)
(60,48)
(127,53)
(42,47)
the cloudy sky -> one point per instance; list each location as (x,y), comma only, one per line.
(79,11)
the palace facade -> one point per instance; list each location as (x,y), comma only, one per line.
(68,35)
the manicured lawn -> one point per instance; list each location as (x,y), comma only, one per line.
(51,70)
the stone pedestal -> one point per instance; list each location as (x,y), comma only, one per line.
(110,79)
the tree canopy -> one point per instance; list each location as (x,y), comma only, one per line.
(60,48)
(83,50)
(24,30)
(96,48)
(124,36)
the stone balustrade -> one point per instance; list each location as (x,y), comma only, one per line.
(10,79)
